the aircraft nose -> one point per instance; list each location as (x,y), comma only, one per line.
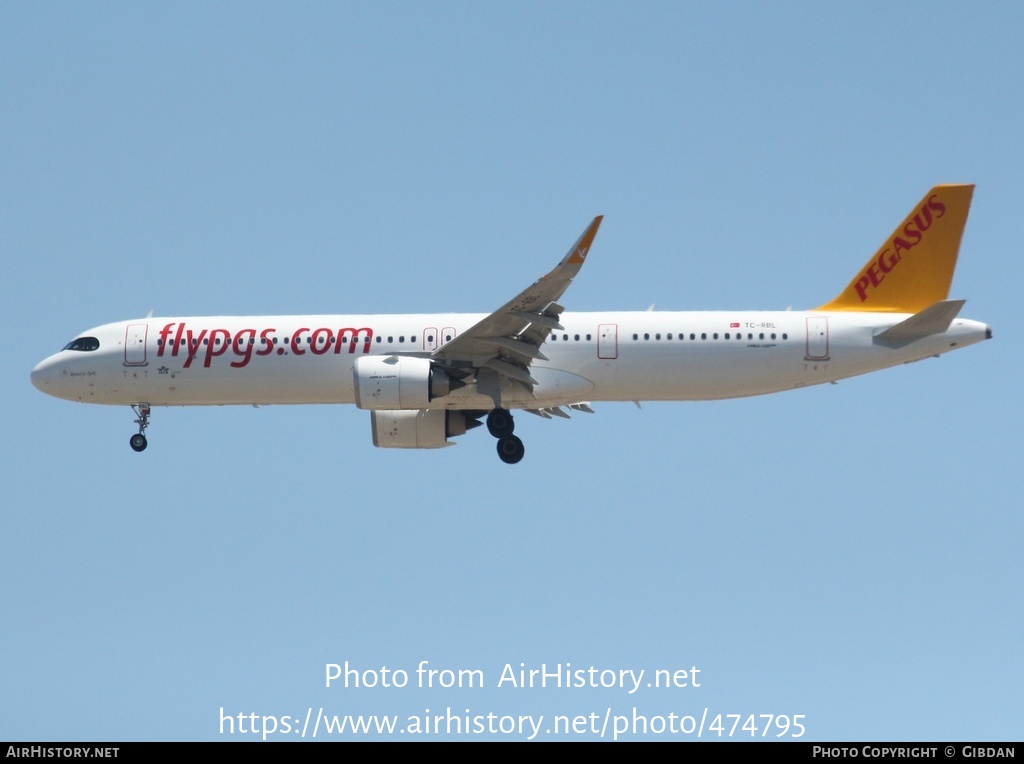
(44,375)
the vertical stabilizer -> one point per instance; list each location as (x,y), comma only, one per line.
(914,268)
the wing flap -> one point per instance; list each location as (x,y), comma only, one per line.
(556,411)
(548,319)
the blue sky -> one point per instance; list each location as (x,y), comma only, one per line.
(848,552)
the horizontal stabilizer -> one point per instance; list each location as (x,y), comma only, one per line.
(935,319)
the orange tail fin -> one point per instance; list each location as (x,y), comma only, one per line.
(914,267)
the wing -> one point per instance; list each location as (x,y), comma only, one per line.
(509,340)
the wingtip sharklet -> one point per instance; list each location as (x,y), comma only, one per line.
(578,252)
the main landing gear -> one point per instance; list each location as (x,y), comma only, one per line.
(500,424)
(138,441)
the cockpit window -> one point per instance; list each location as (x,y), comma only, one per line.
(83,343)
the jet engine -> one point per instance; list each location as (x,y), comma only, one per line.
(426,428)
(398,382)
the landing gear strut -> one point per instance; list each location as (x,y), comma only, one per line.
(138,441)
(501,425)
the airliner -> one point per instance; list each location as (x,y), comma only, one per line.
(427,378)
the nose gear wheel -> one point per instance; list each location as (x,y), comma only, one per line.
(138,441)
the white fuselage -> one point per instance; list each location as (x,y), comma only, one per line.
(623,356)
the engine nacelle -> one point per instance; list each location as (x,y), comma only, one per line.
(397,382)
(426,428)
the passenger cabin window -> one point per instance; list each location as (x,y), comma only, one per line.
(83,343)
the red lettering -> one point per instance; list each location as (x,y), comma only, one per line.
(328,336)
(862,287)
(911,232)
(923,219)
(245,338)
(267,342)
(177,340)
(887,260)
(874,275)
(163,339)
(352,336)
(243,344)
(219,339)
(296,339)
(193,346)
(898,244)
(367,341)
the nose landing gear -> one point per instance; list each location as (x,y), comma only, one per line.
(501,425)
(138,441)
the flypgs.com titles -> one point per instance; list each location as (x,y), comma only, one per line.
(211,343)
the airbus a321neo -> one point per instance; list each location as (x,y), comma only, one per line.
(426,378)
